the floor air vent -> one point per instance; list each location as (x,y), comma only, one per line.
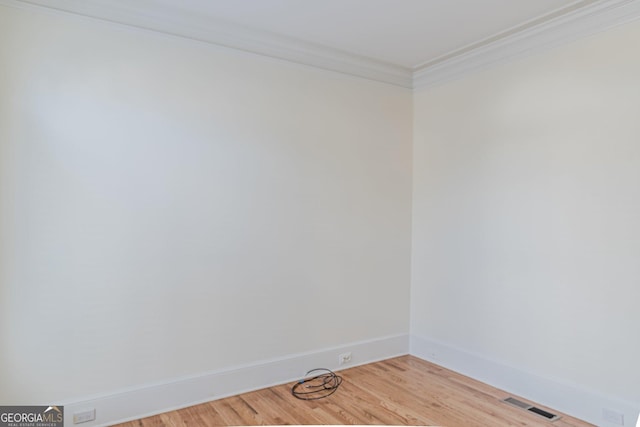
(523,405)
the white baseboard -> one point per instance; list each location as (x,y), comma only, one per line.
(153,399)
(570,399)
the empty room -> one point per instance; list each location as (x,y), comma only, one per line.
(319,212)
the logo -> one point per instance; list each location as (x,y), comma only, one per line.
(31,416)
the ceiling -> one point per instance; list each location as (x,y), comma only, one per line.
(407,33)
(387,40)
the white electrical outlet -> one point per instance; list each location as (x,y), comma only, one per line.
(85,416)
(344,358)
(613,416)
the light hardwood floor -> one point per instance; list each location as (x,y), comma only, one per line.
(400,391)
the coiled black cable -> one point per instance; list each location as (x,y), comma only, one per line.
(318,386)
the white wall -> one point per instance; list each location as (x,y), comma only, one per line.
(169,208)
(526,238)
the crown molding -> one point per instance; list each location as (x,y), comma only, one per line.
(582,22)
(579,19)
(216,32)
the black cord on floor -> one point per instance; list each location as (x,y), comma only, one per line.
(319,386)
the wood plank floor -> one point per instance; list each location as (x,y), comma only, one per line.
(400,391)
